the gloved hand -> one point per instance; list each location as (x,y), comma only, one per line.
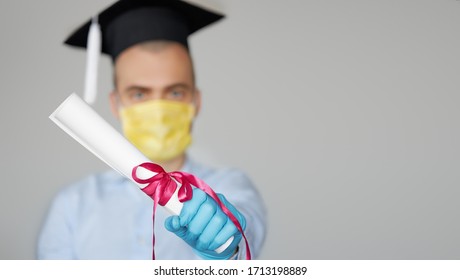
(204,226)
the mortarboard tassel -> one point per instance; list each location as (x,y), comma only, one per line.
(92,61)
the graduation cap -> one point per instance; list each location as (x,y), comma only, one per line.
(129,22)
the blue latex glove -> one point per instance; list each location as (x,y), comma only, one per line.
(204,226)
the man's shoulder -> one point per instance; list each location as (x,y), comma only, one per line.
(220,177)
(93,183)
(204,171)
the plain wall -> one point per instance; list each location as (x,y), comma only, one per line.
(344,113)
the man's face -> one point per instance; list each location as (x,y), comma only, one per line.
(145,74)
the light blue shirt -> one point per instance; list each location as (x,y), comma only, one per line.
(106,216)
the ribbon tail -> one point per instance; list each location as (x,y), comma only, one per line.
(153,229)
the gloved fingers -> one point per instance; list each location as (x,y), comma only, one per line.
(204,226)
(202,217)
(172,224)
(213,228)
(224,234)
(190,207)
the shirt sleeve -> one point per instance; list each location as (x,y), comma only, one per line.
(56,236)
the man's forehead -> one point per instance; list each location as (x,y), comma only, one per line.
(156,64)
(161,52)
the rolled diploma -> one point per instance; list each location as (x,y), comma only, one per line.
(80,121)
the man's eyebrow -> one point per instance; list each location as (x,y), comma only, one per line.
(168,87)
(136,88)
(179,85)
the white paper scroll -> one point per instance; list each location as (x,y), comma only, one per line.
(80,121)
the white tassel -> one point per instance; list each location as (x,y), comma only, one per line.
(92,61)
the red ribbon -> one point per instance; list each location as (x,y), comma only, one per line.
(162,186)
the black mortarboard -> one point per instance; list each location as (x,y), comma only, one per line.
(129,22)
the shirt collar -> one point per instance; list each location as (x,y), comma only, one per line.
(189,165)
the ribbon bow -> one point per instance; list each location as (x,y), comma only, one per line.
(162,186)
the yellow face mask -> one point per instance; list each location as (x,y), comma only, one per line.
(160,129)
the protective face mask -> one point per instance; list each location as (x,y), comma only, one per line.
(160,129)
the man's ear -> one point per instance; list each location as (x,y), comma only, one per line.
(197,101)
(114,104)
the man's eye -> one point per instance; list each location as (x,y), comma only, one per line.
(138,95)
(176,94)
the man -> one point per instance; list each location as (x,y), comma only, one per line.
(104,216)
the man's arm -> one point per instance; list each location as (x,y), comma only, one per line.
(55,240)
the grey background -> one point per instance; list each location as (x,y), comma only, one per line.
(344,113)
